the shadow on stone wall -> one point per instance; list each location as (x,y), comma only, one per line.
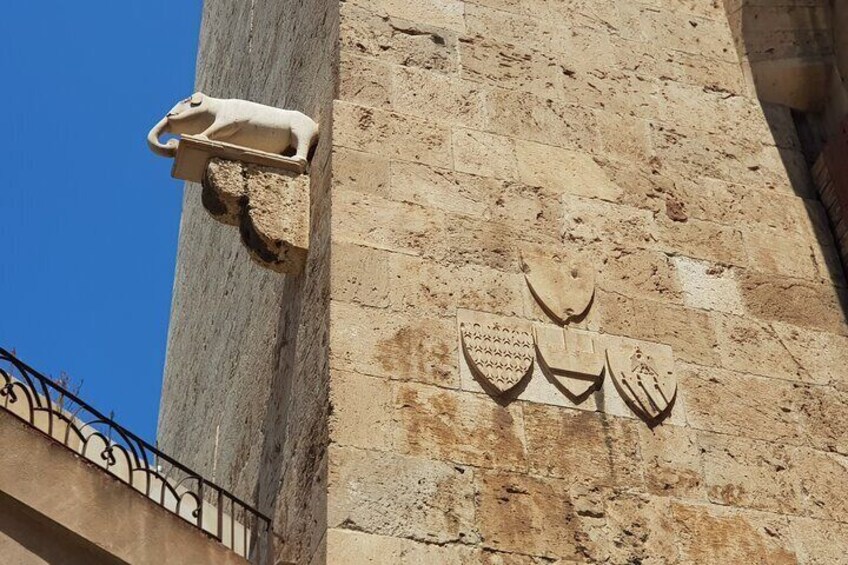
(792,54)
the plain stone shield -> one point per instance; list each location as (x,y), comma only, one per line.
(498,354)
(644,377)
(564,290)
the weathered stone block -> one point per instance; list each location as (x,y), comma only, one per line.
(492,243)
(795,301)
(509,65)
(773,253)
(749,346)
(641,529)
(708,286)
(378,342)
(405,497)
(270,206)
(533,516)
(753,474)
(396,40)
(671,460)
(740,161)
(446,14)
(484,154)
(360,275)
(819,542)
(522,211)
(460,427)
(360,172)
(820,355)
(424,287)
(537,118)
(705,37)
(362,412)
(276,226)
(824,418)
(469,134)
(360,548)
(588,221)
(373,221)
(586,447)
(716,536)
(736,404)
(690,332)
(225,192)
(364,81)
(743,206)
(823,478)
(701,240)
(563,172)
(434,95)
(624,137)
(443,189)
(386,133)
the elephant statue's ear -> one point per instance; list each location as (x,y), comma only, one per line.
(196,99)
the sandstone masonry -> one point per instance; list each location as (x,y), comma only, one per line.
(459,136)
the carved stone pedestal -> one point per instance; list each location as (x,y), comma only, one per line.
(269,205)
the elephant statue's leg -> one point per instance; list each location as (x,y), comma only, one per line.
(301,144)
(220,131)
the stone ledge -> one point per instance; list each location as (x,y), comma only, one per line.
(194,154)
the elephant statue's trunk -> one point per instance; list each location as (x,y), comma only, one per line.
(165,150)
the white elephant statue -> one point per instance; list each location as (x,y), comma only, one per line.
(237,122)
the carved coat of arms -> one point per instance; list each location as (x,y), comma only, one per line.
(499,355)
(568,358)
(563,289)
(645,379)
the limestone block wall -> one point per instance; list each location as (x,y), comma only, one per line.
(468,132)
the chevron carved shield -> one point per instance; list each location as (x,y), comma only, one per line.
(498,353)
(644,377)
(568,358)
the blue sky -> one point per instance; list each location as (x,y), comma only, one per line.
(90,217)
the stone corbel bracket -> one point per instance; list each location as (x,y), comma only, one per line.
(265,195)
(269,205)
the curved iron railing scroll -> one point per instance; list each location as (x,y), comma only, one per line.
(65,418)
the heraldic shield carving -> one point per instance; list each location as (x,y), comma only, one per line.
(497,353)
(564,290)
(568,358)
(644,377)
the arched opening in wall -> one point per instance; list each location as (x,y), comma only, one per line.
(795,56)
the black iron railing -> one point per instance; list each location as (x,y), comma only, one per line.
(61,415)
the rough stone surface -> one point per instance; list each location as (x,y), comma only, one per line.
(457,137)
(270,207)
(245,390)
(405,497)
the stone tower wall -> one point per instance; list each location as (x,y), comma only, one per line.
(469,132)
(463,136)
(245,394)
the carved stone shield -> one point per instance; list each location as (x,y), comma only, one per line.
(644,377)
(498,354)
(568,358)
(563,289)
